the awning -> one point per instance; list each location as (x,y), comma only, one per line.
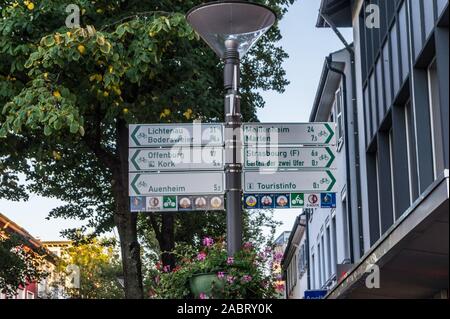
(412,256)
(338,11)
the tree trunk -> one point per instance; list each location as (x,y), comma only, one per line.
(167,240)
(126,221)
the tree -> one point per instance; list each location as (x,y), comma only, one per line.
(99,269)
(19,265)
(67,96)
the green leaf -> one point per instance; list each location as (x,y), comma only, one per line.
(74,127)
(48,41)
(47,130)
(121,31)
(167,21)
(2,132)
(57,125)
(106,48)
(28,64)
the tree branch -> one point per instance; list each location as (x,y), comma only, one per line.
(94,144)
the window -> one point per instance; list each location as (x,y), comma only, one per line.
(328,239)
(313,272)
(292,274)
(324,272)
(338,105)
(404,42)
(346,229)
(435,117)
(391,159)
(380,91)
(20,294)
(412,156)
(302,260)
(334,241)
(384,181)
(441,5)
(319,264)
(377,170)
(428,16)
(416,26)
(374,105)
(387,76)
(395,59)
(368,123)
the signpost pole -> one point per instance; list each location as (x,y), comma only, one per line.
(233,145)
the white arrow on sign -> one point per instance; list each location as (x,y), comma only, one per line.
(290,182)
(158,135)
(198,183)
(176,158)
(290,134)
(289,157)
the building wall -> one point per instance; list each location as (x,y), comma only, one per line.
(330,229)
(296,273)
(402,85)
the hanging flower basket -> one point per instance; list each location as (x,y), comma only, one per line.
(207,285)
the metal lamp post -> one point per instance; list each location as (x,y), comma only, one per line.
(231,28)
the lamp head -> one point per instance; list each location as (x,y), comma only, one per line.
(231,24)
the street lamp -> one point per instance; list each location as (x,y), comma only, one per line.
(231,28)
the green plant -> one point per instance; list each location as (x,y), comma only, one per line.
(19,265)
(246,275)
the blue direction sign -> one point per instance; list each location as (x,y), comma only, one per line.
(315,294)
(328,200)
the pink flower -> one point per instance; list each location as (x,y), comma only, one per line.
(203,296)
(278,257)
(208,241)
(246,278)
(201,256)
(279,287)
(166,268)
(230,279)
(248,245)
(220,275)
(230,260)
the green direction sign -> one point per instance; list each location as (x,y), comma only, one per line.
(168,135)
(176,159)
(289,157)
(289,182)
(192,183)
(289,134)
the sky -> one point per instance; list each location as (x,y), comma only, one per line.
(307,47)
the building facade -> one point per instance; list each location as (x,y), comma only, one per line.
(295,261)
(397,150)
(333,233)
(48,287)
(332,236)
(388,95)
(279,248)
